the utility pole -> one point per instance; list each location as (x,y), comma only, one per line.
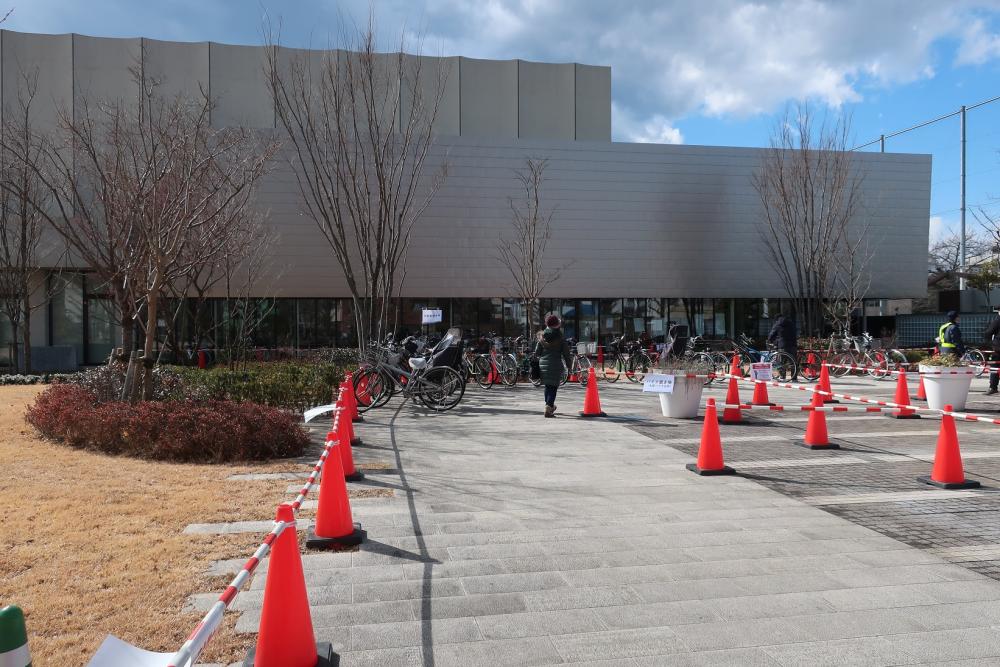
(961,247)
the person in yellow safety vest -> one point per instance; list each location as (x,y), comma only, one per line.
(950,336)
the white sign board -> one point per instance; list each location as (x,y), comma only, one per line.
(431,316)
(762,371)
(658,384)
(116,653)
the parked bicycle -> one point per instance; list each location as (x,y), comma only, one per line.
(395,369)
(783,364)
(626,358)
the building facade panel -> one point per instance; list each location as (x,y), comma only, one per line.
(593,121)
(177,68)
(41,62)
(488,98)
(642,233)
(104,71)
(546,101)
(433,78)
(238,79)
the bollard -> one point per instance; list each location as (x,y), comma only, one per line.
(13,638)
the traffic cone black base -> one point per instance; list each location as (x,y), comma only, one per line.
(967,484)
(829,445)
(724,470)
(599,414)
(325,657)
(358,419)
(912,415)
(353,539)
(745,421)
(355,476)
(356,442)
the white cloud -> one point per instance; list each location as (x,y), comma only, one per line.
(978,44)
(656,129)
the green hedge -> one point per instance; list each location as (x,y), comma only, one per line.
(280,384)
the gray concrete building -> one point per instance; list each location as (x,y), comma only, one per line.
(647,233)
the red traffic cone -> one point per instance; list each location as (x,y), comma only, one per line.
(903,398)
(346,398)
(710,460)
(760,393)
(335,526)
(732,415)
(816,435)
(736,367)
(824,385)
(921,392)
(349,381)
(285,637)
(592,400)
(342,432)
(948,472)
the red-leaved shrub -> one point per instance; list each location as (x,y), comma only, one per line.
(198,431)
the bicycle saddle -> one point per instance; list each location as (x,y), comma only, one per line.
(416,363)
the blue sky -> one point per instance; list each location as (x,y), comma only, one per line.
(706,72)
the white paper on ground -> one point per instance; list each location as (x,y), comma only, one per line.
(116,653)
(312,413)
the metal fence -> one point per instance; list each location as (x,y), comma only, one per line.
(921,330)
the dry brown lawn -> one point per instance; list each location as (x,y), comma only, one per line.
(92,544)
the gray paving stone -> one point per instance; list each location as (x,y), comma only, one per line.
(507,652)
(770,606)
(514,583)
(741,657)
(658,614)
(475,605)
(385,657)
(950,644)
(414,633)
(540,623)
(579,598)
(618,643)
(869,651)
(407,590)
(741,634)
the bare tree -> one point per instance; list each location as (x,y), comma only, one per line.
(20,221)
(809,189)
(522,249)
(851,276)
(359,156)
(135,183)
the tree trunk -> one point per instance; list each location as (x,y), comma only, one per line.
(152,303)
(26,333)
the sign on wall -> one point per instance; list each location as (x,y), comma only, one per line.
(658,384)
(431,316)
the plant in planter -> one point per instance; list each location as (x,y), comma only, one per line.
(685,398)
(946,381)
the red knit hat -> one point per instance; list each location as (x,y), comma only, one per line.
(552,321)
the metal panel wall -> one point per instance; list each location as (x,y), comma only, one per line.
(238,76)
(104,70)
(546,101)
(178,68)
(635,220)
(44,62)
(593,121)
(489,97)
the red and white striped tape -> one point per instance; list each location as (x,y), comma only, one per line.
(191,649)
(872,401)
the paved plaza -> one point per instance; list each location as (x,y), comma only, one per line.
(516,540)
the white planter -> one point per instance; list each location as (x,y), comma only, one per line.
(944,388)
(684,402)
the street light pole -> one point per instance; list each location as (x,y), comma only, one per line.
(961,247)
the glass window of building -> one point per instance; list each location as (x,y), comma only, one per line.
(634,317)
(326,322)
(67,312)
(346,331)
(491,317)
(307,323)
(514,318)
(103,330)
(465,316)
(567,311)
(656,318)
(6,342)
(610,311)
(587,320)
(284,322)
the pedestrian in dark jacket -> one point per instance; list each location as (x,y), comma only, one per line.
(553,358)
(992,335)
(785,336)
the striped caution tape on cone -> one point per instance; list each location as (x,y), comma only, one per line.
(191,649)
(13,638)
(871,401)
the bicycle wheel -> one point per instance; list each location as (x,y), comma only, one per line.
(705,359)
(722,362)
(371,389)
(877,364)
(810,366)
(507,369)
(482,370)
(638,366)
(783,365)
(840,364)
(441,388)
(978,359)
(565,375)
(582,366)
(611,369)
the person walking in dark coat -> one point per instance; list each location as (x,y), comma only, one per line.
(785,336)
(992,335)
(553,358)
